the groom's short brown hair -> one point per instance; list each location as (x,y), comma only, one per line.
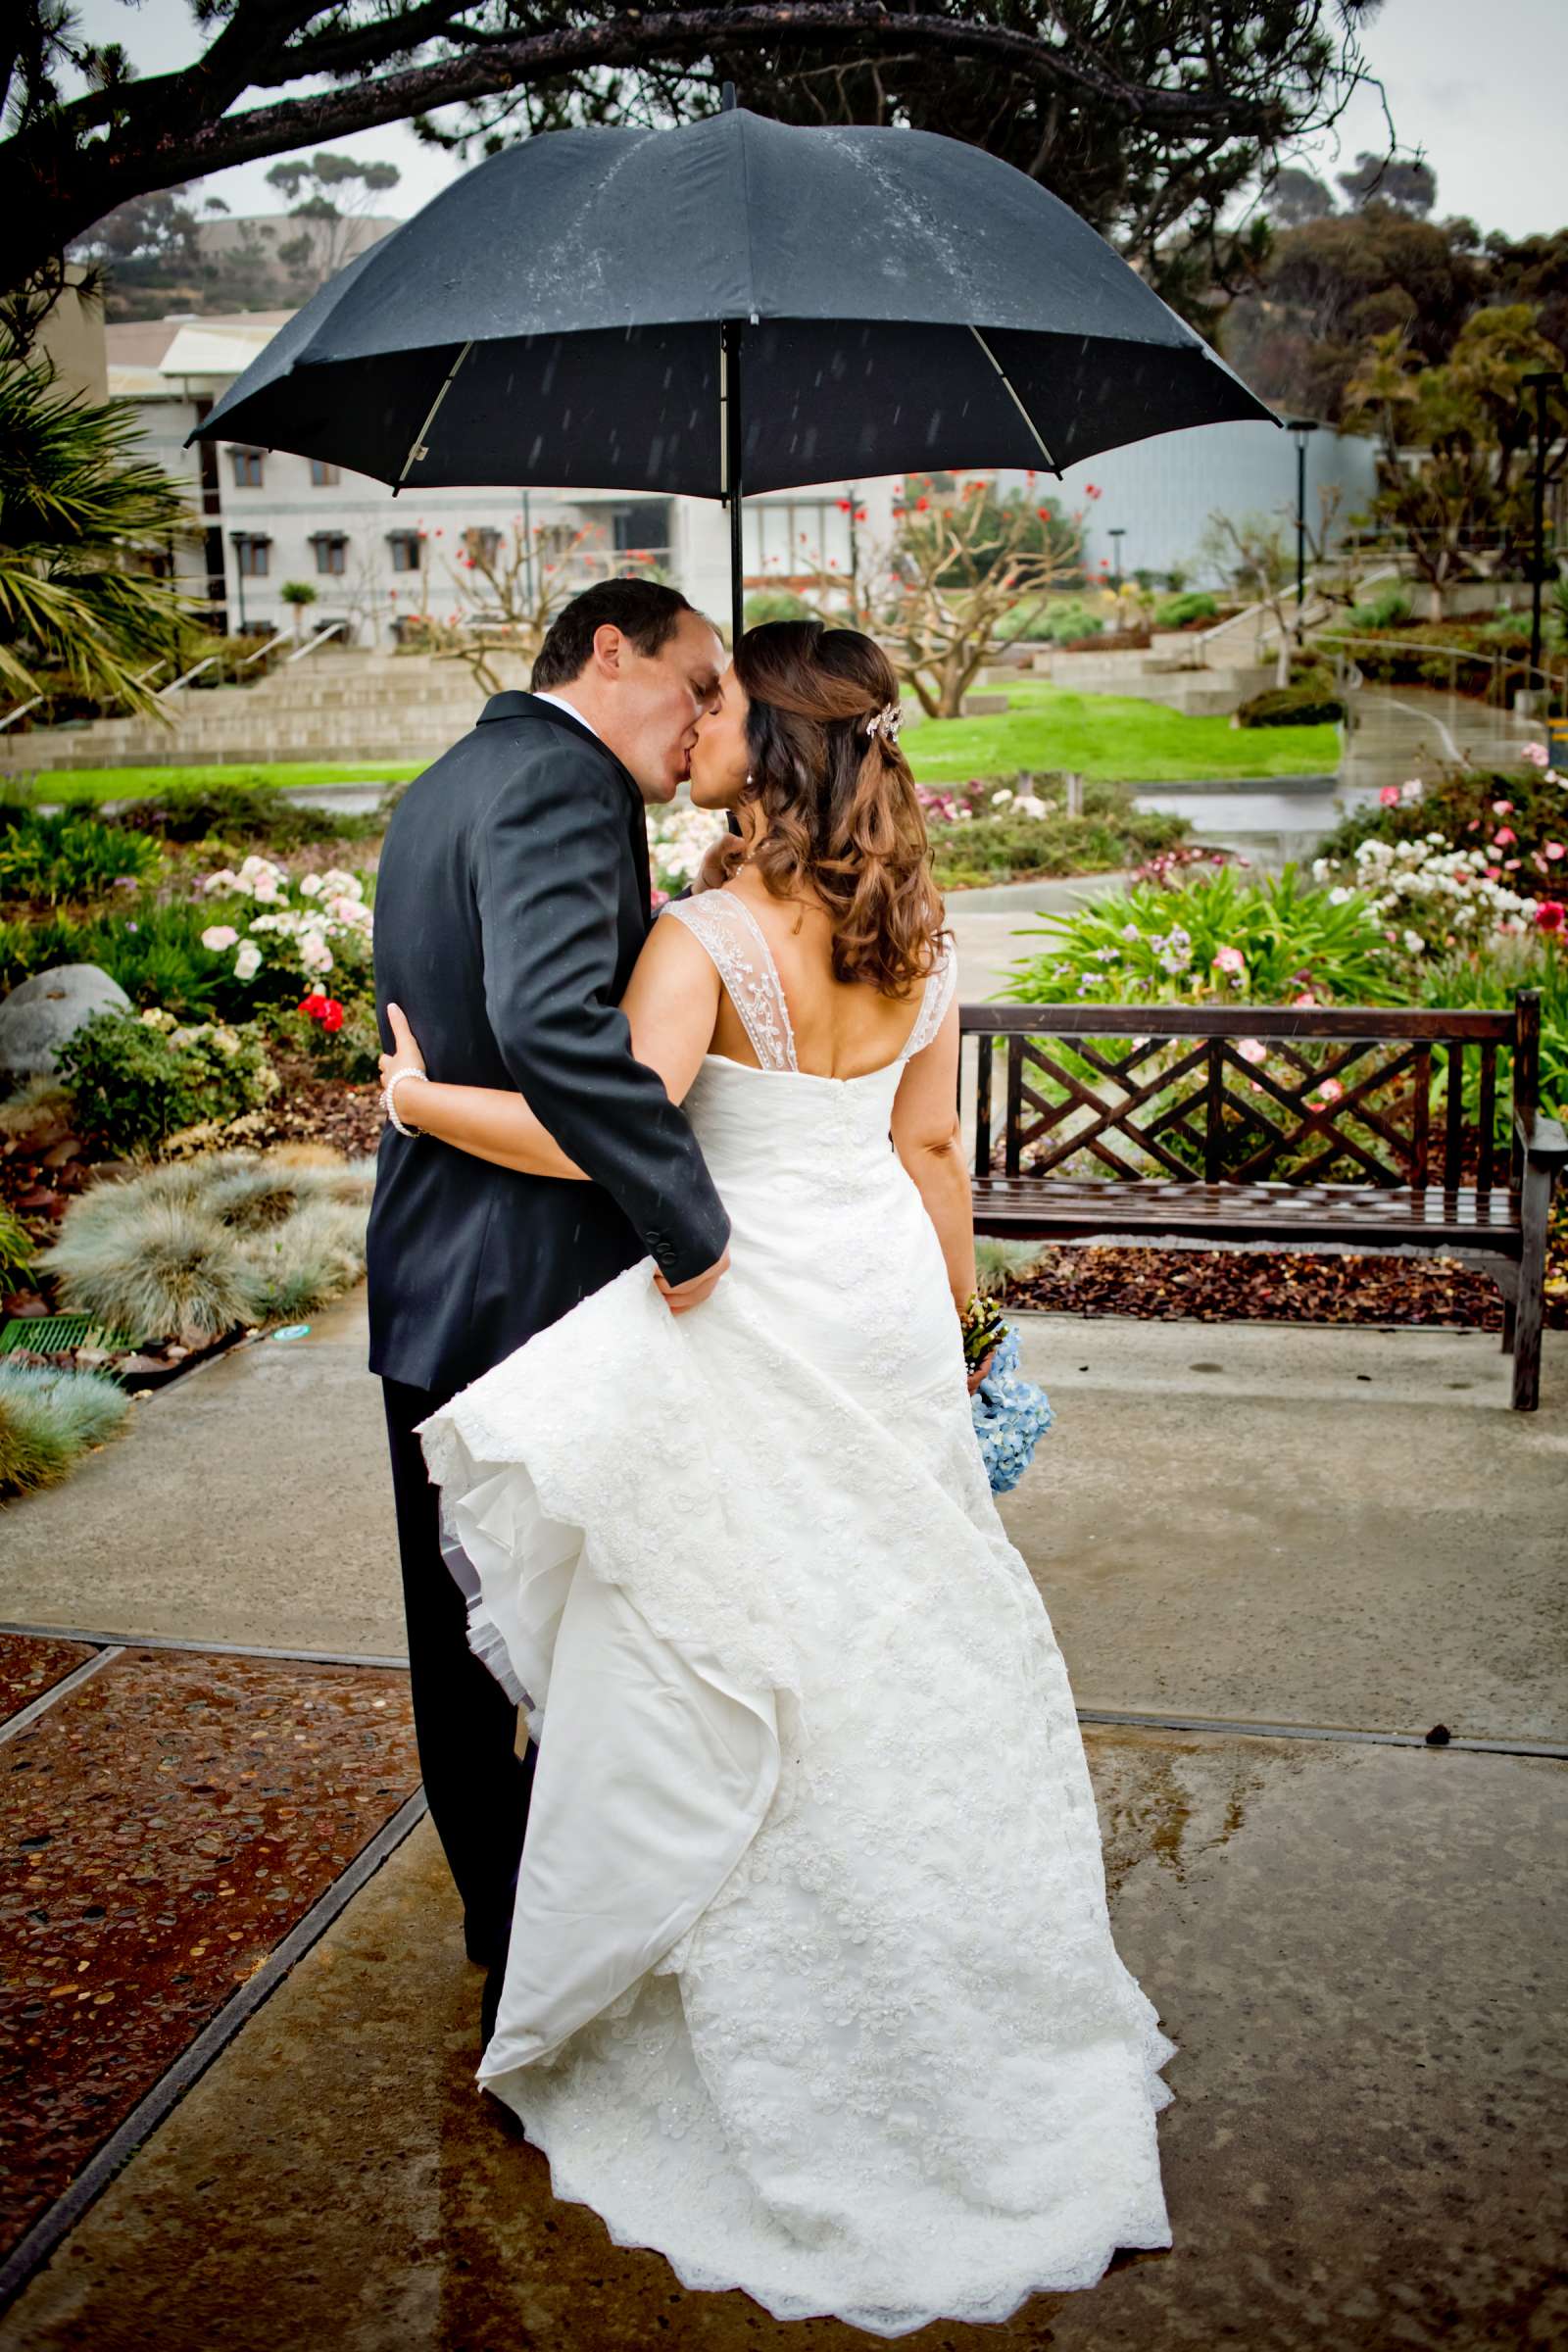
(645,611)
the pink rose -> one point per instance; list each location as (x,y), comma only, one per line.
(1503,836)
(1390,796)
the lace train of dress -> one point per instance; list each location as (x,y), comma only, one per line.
(812,1985)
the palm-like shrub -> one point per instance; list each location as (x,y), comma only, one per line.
(78,507)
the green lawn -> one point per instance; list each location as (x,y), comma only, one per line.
(1046,727)
(136,783)
(1110,735)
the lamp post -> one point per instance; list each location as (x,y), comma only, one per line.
(1299,427)
(1544,380)
(1116,535)
(237,539)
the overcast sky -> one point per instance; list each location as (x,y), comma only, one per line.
(1488,111)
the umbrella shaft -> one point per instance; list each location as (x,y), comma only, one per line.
(730,336)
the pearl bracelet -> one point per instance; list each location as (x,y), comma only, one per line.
(391,1108)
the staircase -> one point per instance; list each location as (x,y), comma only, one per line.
(337,706)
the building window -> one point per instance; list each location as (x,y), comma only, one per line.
(247,468)
(482,543)
(331,551)
(251,556)
(405,546)
(641,529)
(325,477)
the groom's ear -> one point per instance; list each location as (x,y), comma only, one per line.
(608,650)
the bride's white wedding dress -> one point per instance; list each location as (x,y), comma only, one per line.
(811,1983)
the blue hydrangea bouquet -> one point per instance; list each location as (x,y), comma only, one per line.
(1010,1416)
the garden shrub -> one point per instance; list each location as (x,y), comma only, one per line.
(1178,611)
(1308,705)
(135,1079)
(16,1245)
(48,1418)
(1218,937)
(774,604)
(68,857)
(1385,610)
(239,813)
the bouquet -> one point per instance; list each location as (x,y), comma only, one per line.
(1010,1416)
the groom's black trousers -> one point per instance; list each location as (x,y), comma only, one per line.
(476,1784)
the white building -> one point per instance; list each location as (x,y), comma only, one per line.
(376,562)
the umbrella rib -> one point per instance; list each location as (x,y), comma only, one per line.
(1016,402)
(417,449)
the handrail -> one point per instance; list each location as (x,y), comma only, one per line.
(1251,612)
(309,647)
(175,684)
(263,649)
(21,712)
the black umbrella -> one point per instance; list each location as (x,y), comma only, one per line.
(575,312)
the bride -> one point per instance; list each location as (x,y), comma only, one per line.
(811,1983)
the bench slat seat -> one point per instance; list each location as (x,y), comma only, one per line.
(1355,1215)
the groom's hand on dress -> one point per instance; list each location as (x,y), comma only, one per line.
(682,1297)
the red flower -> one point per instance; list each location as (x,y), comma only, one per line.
(1091,489)
(920,504)
(331,1013)
(1550,914)
(843,505)
(313,1005)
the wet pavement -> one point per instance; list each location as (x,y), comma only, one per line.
(1360,2152)
(1282,1530)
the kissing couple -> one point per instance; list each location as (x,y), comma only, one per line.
(792,1904)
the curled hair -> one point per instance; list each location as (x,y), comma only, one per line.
(838,805)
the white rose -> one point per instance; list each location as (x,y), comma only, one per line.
(219,936)
(309,886)
(248,963)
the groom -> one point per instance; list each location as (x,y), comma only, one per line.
(512,902)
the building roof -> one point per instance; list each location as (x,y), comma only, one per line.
(145,342)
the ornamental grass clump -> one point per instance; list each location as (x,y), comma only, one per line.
(195,1248)
(48,1419)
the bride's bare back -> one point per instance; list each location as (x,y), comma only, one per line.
(843,1029)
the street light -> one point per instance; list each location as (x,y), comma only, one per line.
(1544,380)
(1116,535)
(1299,427)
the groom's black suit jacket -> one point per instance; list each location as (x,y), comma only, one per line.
(510,905)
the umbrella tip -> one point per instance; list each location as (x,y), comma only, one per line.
(727,104)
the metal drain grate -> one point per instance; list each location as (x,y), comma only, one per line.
(53,1335)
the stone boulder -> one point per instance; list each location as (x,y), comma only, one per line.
(38,1017)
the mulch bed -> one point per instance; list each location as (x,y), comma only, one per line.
(164,1826)
(1225,1286)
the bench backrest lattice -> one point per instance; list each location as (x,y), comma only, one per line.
(1166,1092)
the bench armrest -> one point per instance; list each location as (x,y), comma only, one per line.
(1544,1140)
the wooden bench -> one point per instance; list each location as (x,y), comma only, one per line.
(1194,1134)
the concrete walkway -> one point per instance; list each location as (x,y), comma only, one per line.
(1352,1941)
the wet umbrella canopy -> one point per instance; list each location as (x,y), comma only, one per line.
(577,310)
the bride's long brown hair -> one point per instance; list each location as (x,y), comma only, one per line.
(838,805)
